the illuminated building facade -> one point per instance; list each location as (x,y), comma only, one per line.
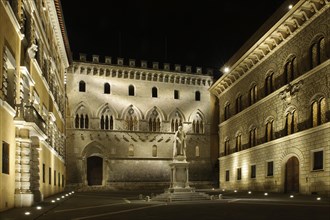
(33,59)
(123,117)
(275,107)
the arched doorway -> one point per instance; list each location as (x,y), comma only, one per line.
(94,170)
(292,175)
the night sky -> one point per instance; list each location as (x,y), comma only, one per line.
(199,33)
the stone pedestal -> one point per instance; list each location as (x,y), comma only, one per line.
(179,175)
(179,189)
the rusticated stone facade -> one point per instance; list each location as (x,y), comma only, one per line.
(122,119)
(275,107)
(34,54)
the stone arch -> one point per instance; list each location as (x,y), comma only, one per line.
(79,107)
(284,157)
(94,149)
(131,109)
(103,108)
(178,112)
(199,113)
(158,110)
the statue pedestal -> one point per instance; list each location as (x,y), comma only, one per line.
(179,189)
(179,175)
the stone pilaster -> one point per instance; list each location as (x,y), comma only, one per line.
(23,194)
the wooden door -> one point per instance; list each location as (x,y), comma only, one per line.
(292,175)
(94,170)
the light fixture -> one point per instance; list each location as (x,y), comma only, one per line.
(291,196)
(249,192)
(235,191)
(290,6)
(226,69)
(266,194)
(27,213)
(58,199)
(53,201)
(318,198)
(66,194)
(63,197)
(39,207)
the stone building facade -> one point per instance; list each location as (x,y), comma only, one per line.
(122,118)
(275,106)
(33,59)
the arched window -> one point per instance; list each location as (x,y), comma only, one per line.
(76,121)
(239,103)
(319,112)
(253,137)
(131,90)
(227,150)
(291,122)
(290,70)
(198,124)
(269,130)
(227,111)
(197,96)
(238,142)
(82,86)
(107,88)
(253,94)
(81,121)
(269,84)
(131,150)
(197,152)
(154,92)
(154,151)
(317,52)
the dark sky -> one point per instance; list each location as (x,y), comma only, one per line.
(199,33)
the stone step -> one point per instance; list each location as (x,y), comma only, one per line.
(181,196)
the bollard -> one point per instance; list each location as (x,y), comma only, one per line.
(148,198)
(220,196)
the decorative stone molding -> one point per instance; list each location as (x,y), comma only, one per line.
(290,92)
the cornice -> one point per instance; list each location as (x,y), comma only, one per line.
(58,27)
(135,73)
(299,16)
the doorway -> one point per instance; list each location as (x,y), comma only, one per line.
(292,175)
(94,170)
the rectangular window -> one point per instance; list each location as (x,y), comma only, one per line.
(176,94)
(318,160)
(59,179)
(227,175)
(5,158)
(43,173)
(50,175)
(239,173)
(270,168)
(62,180)
(253,171)
(54,177)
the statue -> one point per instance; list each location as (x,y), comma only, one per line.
(32,50)
(179,148)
